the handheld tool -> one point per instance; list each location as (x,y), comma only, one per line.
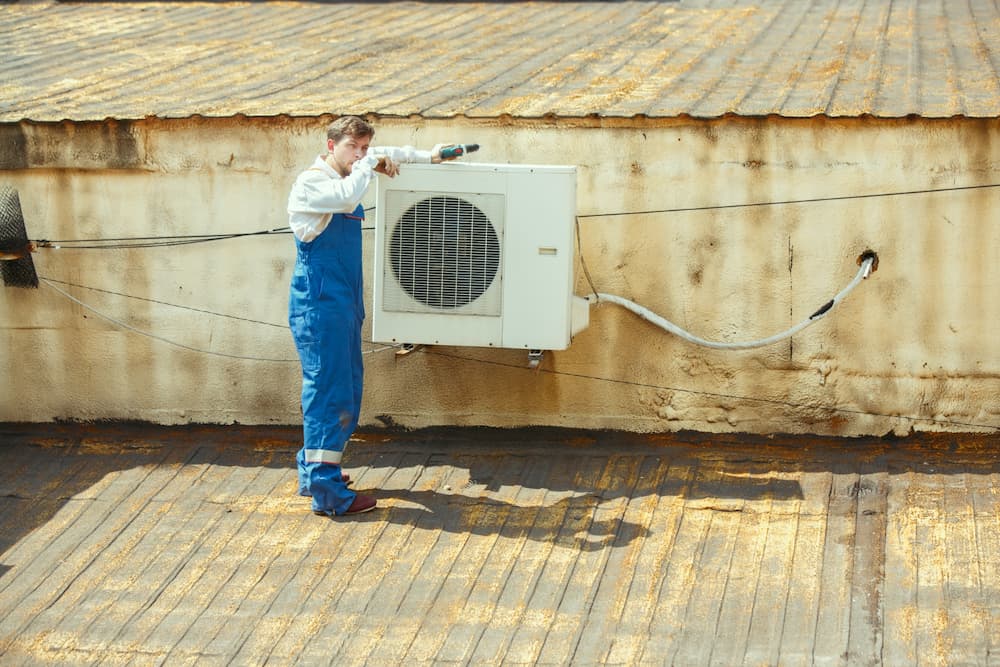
(458,150)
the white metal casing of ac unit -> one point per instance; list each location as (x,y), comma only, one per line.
(479,255)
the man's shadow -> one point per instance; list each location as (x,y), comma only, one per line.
(581,498)
(580,523)
(539,487)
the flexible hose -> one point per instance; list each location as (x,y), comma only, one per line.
(866,268)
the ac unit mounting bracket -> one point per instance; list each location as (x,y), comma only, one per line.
(406,348)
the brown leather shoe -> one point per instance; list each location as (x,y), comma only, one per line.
(361,504)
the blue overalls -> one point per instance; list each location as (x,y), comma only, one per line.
(325,311)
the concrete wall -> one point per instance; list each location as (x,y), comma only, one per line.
(914,347)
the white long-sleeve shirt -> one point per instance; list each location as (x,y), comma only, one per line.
(320,191)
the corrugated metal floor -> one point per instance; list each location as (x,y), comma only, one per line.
(141,545)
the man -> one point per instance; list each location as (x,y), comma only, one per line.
(326,302)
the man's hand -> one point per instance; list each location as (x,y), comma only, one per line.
(436,153)
(387,166)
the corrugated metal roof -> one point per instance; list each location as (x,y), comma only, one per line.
(795,58)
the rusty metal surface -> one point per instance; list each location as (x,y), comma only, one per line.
(91,61)
(143,545)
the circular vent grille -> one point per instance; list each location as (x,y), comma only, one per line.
(444,252)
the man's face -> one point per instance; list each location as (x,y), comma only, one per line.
(347,151)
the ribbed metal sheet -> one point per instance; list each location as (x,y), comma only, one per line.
(130,544)
(703,58)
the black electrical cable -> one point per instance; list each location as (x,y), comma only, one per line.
(158,241)
(163,303)
(147,241)
(772,401)
(812,200)
(582,376)
(184,240)
(155,241)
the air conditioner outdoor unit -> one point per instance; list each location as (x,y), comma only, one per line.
(477,255)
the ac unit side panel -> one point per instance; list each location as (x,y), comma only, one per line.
(539,255)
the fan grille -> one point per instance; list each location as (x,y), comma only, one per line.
(14,239)
(444,252)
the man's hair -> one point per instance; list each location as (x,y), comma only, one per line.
(351,126)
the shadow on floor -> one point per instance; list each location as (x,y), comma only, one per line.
(574,487)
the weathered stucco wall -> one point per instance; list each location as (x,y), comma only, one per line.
(914,347)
